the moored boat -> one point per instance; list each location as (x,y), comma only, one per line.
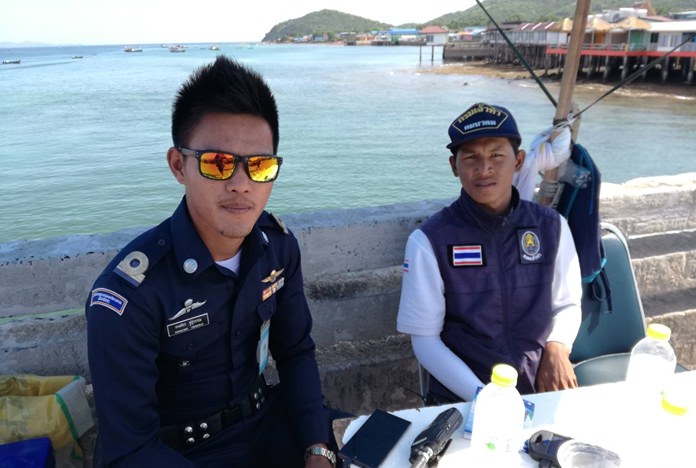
(177,48)
(132,49)
(12,62)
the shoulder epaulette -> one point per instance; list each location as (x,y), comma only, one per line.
(280,223)
(144,252)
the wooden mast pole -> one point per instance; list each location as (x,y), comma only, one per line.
(570,74)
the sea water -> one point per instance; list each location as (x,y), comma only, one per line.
(84,139)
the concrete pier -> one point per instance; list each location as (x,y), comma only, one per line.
(352,265)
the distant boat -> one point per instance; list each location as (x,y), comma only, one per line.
(177,48)
(132,49)
(214,47)
(77,56)
(12,62)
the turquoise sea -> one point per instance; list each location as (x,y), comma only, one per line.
(84,140)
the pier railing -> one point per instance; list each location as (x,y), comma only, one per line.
(352,267)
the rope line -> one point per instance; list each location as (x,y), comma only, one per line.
(637,73)
(520,56)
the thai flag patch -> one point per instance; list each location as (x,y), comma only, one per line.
(404,267)
(466,255)
(109,299)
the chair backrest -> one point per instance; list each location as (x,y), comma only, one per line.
(603,331)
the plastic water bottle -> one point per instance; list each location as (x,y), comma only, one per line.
(652,364)
(496,434)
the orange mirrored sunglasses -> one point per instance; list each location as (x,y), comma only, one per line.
(218,165)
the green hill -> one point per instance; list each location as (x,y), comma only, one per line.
(542,10)
(332,22)
(321,22)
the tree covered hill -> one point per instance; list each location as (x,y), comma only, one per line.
(332,22)
(543,10)
(329,22)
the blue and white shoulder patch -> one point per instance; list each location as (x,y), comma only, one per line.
(109,299)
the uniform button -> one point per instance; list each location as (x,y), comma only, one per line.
(204,426)
(190,441)
(258,405)
(256,395)
(190,265)
(184,363)
(188,430)
(205,436)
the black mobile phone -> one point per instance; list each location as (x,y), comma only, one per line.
(373,441)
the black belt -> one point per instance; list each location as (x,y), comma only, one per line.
(184,436)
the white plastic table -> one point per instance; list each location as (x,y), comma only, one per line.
(603,415)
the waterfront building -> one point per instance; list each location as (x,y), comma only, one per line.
(434,35)
(616,42)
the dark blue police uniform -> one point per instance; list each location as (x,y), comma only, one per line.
(176,344)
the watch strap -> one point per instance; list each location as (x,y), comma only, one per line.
(321,451)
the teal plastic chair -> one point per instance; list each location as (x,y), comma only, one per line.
(603,346)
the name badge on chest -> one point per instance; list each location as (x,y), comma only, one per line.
(529,245)
(188,325)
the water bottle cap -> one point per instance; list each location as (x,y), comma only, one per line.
(673,406)
(659,332)
(504,375)
(676,399)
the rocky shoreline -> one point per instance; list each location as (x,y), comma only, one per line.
(514,72)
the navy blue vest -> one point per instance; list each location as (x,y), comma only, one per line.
(498,272)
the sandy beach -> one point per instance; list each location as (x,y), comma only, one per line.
(512,72)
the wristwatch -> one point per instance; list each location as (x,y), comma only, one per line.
(321,451)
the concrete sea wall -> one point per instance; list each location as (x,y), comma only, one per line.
(352,265)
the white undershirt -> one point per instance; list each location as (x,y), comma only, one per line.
(232,264)
(422,309)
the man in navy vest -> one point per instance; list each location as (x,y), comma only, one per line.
(491,278)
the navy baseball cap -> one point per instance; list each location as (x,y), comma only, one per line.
(480,121)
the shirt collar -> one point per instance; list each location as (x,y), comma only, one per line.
(485,219)
(192,255)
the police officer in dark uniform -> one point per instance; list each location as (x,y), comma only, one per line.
(182,322)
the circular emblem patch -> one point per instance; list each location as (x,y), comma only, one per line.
(530,244)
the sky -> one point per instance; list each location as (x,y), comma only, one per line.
(93,22)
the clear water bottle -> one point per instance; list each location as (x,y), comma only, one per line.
(652,363)
(496,434)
